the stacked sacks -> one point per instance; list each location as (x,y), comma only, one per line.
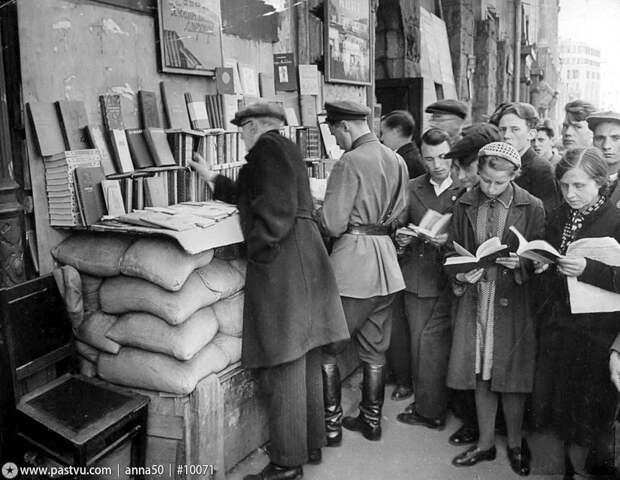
(150,315)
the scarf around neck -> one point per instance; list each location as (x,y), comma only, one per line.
(575,223)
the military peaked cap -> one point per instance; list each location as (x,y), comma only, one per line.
(346,110)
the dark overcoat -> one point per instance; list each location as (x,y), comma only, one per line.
(292,303)
(514,337)
(538,179)
(422,263)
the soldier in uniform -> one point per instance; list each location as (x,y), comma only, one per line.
(366,193)
(292,307)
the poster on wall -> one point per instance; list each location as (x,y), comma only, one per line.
(190,36)
(347,41)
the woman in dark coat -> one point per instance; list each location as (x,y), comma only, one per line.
(292,306)
(574,393)
(493,343)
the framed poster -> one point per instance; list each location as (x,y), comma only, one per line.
(347,41)
(190,36)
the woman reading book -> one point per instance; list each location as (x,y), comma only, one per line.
(493,343)
(573,393)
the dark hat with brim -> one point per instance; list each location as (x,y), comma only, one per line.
(449,106)
(259,109)
(474,138)
(345,110)
(597,118)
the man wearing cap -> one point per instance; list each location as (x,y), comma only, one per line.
(292,307)
(517,123)
(366,193)
(575,131)
(606,129)
(425,303)
(448,115)
(464,156)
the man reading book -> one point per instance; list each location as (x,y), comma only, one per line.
(421,332)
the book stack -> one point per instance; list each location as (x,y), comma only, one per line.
(60,185)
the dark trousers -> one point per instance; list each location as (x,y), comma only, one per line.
(431,336)
(370,325)
(399,353)
(294,395)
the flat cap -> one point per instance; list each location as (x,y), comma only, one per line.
(600,117)
(501,150)
(346,110)
(450,106)
(474,138)
(259,109)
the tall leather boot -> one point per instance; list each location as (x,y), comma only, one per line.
(333,408)
(368,422)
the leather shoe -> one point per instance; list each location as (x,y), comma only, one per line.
(315,456)
(464,436)
(414,418)
(473,455)
(520,459)
(409,408)
(401,392)
(276,472)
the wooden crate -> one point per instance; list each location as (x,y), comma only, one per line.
(218,424)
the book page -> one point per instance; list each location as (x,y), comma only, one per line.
(586,298)
(461,251)
(489,246)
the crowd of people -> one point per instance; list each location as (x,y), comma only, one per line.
(498,345)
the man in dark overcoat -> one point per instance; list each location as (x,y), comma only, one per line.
(292,306)
(366,192)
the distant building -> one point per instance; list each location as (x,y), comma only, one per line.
(580,72)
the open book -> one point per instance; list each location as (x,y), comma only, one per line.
(586,298)
(485,256)
(432,224)
(537,250)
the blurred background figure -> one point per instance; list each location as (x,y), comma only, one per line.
(543,143)
(397,134)
(448,115)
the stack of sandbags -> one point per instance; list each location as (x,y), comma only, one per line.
(150,315)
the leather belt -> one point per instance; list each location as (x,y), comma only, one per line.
(369,230)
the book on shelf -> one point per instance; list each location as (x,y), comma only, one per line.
(46,126)
(139,150)
(147,103)
(73,122)
(197,111)
(333,151)
(113,197)
(308,110)
(431,225)
(587,298)
(157,141)
(249,80)
(89,193)
(155,194)
(174,105)
(536,250)
(308,80)
(120,147)
(98,141)
(111,111)
(284,74)
(224,80)
(267,85)
(485,256)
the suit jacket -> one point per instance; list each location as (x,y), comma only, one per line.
(359,190)
(538,179)
(413,159)
(422,263)
(291,298)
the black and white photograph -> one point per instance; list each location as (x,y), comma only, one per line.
(309,239)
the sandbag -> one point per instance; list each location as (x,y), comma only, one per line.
(162,262)
(69,286)
(122,294)
(93,330)
(138,368)
(221,276)
(229,314)
(97,254)
(90,293)
(231,346)
(86,351)
(151,333)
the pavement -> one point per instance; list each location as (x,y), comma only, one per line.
(404,452)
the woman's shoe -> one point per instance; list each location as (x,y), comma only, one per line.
(473,455)
(401,392)
(519,458)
